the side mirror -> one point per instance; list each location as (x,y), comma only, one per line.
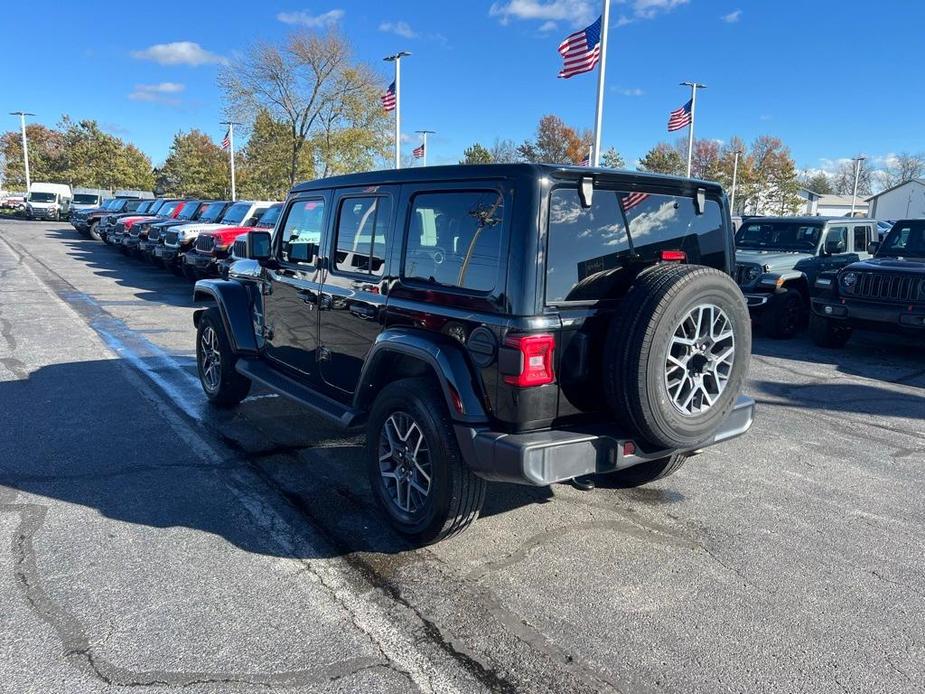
(257,245)
(872,248)
(834,247)
(252,221)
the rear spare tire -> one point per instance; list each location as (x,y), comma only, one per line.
(677,355)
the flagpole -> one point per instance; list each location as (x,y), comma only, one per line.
(599,113)
(424,134)
(397,60)
(231,125)
(690,133)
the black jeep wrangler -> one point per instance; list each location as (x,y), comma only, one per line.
(885,293)
(520,323)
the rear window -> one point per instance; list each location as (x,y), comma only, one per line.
(454,239)
(588,248)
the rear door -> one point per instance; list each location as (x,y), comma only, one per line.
(861,238)
(294,281)
(353,296)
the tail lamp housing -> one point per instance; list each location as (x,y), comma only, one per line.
(535,367)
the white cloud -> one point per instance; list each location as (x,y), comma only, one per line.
(732,17)
(304,18)
(635,91)
(178,53)
(548,26)
(161,93)
(573,11)
(400,28)
(647,9)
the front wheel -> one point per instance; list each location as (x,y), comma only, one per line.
(222,384)
(828,333)
(784,314)
(95,231)
(416,471)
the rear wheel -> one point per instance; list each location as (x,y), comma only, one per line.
(676,356)
(95,231)
(644,473)
(783,314)
(825,332)
(415,467)
(222,384)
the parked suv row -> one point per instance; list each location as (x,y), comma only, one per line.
(517,323)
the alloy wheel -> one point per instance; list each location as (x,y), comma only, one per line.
(210,359)
(404,462)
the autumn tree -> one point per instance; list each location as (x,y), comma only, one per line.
(476,154)
(664,159)
(328,102)
(45,160)
(776,184)
(195,166)
(555,143)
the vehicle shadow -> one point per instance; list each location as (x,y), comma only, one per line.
(96,441)
(153,283)
(854,398)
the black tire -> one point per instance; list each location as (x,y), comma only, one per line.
(784,314)
(637,370)
(95,231)
(644,473)
(227,388)
(828,333)
(454,495)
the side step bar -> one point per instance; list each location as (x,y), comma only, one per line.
(337,413)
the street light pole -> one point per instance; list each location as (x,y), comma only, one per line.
(735,176)
(25,144)
(424,134)
(857,175)
(690,131)
(397,60)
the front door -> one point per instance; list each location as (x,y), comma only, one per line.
(353,295)
(294,284)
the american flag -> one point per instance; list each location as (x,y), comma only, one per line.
(585,162)
(226,142)
(581,50)
(388,99)
(631,200)
(681,118)
(418,152)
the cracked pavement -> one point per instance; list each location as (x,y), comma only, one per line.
(149,540)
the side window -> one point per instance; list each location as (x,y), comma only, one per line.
(454,239)
(836,241)
(861,239)
(361,235)
(302,232)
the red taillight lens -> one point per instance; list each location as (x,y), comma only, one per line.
(673,256)
(536,353)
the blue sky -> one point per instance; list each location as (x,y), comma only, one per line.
(832,79)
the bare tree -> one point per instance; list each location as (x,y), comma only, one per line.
(901,168)
(311,84)
(843,178)
(504,152)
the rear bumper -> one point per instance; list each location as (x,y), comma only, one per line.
(871,315)
(545,457)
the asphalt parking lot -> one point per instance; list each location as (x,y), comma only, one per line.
(151,541)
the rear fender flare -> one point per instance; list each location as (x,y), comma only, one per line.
(445,357)
(234,304)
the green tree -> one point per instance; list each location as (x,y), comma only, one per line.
(195,166)
(612,159)
(776,184)
(664,159)
(46,163)
(819,182)
(476,154)
(264,171)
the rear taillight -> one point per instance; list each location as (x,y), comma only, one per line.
(536,354)
(673,256)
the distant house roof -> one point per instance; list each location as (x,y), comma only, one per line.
(810,194)
(840,201)
(920,181)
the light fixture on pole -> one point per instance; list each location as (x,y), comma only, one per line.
(857,176)
(690,133)
(424,134)
(599,112)
(25,144)
(397,60)
(228,143)
(735,176)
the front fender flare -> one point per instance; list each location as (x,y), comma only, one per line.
(234,303)
(444,355)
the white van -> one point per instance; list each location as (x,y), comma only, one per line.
(87,198)
(48,201)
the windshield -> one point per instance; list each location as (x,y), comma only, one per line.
(212,213)
(42,197)
(113,204)
(236,213)
(156,205)
(906,240)
(86,199)
(168,207)
(190,207)
(141,207)
(765,235)
(268,220)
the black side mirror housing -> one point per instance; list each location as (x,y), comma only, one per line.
(873,247)
(257,245)
(833,247)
